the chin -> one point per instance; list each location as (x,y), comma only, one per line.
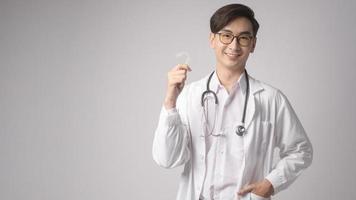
(234,66)
(231,64)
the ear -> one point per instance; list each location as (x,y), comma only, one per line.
(211,40)
(253,44)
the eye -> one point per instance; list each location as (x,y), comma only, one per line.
(226,35)
(245,37)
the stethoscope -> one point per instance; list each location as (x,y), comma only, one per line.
(240,131)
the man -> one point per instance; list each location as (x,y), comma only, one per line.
(227,137)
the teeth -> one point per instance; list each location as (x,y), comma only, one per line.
(232,54)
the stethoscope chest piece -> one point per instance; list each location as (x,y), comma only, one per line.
(240,130)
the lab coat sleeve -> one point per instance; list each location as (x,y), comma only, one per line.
(296,151)
(171,139)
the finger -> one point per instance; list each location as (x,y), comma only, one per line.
(180,86)
(183,67)
(180,79)
(175,75)
(178,76)
(180,72)
(246,189)
(186,66)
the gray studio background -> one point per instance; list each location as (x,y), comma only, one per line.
(82,84)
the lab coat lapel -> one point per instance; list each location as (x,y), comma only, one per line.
(255,87)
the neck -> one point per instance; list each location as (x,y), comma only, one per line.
(228,77)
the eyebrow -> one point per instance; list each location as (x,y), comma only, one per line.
(243,32)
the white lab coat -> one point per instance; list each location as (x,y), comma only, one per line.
(271,124)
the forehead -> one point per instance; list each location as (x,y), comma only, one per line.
(239,25)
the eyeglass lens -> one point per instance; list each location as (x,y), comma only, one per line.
(243,40)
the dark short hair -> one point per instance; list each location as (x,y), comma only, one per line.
(224,15)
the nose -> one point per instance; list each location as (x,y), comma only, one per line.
(234,45)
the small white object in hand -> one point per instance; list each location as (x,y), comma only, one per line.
(186,55)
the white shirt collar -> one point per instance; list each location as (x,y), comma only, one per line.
(215,84)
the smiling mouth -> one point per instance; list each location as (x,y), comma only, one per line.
(232,55)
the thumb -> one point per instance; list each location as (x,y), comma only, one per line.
(246,189)
(180,86)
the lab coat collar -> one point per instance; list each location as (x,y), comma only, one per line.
(255,87)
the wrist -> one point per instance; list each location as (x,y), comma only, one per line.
(169,104)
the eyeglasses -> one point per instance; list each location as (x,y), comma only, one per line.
(243,40)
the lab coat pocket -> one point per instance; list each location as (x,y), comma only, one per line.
(254,196)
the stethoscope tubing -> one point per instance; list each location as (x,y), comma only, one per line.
(241,128)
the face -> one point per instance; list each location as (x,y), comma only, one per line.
(233,56)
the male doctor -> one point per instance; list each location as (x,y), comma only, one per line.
(227,137)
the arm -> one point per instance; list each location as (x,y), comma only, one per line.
(171,140)
(296,151)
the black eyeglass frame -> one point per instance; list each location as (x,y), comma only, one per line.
(238,38)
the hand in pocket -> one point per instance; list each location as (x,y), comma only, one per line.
(262,189)
(254,196)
